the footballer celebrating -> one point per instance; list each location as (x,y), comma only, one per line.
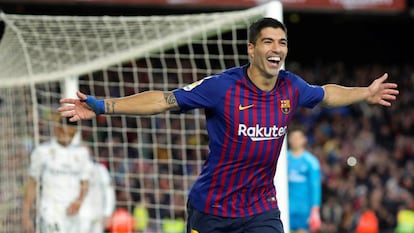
(248,110)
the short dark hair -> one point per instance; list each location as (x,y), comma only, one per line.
(296,127)
(256,27)
(58,119)
(66,121)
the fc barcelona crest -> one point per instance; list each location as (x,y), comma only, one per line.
(285,106)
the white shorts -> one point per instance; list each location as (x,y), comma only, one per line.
(53,219)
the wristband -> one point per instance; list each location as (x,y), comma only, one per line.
(98,106)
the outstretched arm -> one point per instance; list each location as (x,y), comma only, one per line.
(145,103)
(378,92)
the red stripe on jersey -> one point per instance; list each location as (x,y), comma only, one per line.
(238,100)
(253,153)
(209,208)
(228,170)
(249,155)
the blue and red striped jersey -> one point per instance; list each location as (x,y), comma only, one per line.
(246,128)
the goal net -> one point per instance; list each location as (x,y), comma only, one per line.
(153,160)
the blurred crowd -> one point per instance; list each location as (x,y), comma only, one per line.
(366,152)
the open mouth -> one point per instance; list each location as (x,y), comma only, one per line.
(274,60)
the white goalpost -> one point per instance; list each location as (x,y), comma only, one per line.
(153,160)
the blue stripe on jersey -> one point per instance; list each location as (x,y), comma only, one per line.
(246,127)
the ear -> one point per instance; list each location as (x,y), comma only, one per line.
(250,49)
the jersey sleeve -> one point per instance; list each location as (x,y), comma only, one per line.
(309,95)
(204,93)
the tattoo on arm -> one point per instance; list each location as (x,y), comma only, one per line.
(110,107)
(170,98)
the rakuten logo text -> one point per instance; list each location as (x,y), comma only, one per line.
(258,133)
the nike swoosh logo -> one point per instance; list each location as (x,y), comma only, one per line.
(241,108)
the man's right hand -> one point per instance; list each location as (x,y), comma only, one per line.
(82,108)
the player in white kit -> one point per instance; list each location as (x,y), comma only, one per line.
(61,168)
(99,203)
